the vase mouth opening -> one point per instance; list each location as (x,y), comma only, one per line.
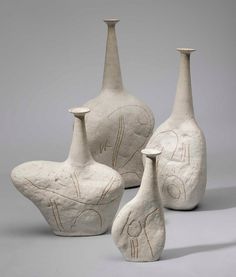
(186,50)
(151,152)
(79,111)
(111,21)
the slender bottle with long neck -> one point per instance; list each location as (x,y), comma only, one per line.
(182,175)
(117,119)
(139,228)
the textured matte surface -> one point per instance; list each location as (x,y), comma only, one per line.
(197,242)
(52,55)
(119,125)
(77,197)
(182,172)
(139,228)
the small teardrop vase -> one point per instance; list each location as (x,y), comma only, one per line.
(182,167)
(78,197)
(119,125)
(139,228)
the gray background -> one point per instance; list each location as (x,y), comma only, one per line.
(51,57)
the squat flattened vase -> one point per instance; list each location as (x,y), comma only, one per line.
(78,197)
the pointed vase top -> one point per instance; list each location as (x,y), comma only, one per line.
(112,79)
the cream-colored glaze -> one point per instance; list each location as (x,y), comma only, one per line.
(119,125)
(139,228)
(78,197)
(182,168)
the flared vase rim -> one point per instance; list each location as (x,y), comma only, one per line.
(111,21)
(79,111)
(185,50)
(151,152)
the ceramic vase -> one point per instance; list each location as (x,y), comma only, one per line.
(139,228)
(78,197)
(182,167)
(119,125)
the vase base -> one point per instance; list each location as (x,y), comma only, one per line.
(143,260)
(182,209)
(76,234)
(133,186)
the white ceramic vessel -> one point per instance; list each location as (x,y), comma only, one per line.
(182,168)
(78,197)
(119,125)
(139,228)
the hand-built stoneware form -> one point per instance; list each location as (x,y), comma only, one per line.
(182,166)
(139,228)
(119,125)
(78,197)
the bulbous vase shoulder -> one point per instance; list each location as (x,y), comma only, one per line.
(74,201)
(139,228)
(118,127)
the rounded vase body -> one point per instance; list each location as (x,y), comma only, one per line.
(118,127)
(78,197)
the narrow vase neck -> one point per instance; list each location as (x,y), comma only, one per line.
(79,151)
(112,79)
(149,186)
(183,105)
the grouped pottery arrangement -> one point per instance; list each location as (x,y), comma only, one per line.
(111,146)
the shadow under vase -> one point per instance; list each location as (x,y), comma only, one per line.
(218,199)
(175,253)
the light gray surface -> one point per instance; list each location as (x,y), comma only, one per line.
(199,243)
(52,55)
(139,228)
